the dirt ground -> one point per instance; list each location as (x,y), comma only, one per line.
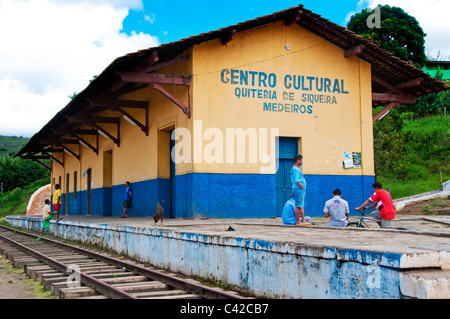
(432,207)
(14,284)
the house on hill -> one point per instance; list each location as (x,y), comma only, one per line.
(437,69)
(210,124)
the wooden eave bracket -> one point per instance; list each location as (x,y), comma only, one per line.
(228,36)
(94,120)
(37,158)
(385,111)
(87,144)
(119,105)
(186,109)
(293,19)
(54,159)
(354,51)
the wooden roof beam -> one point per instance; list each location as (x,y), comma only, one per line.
(163,64)
(84,119)
(138,77)
(386,85)
(386,97)
(113,103)
(410,84)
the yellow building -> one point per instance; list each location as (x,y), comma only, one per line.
(210,124)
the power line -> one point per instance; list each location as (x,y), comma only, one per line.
(424,6)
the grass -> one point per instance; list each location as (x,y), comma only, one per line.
(427,148)
(15,202)
(400,189)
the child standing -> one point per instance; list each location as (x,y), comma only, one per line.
(47,216)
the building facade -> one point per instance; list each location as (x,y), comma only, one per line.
(210,124)
(438,69)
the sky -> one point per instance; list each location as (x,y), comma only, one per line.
(51,49)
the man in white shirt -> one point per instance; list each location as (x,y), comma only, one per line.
(337,209)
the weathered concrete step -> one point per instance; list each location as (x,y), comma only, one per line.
(425,284)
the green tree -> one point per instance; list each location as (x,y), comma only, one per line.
(389,144)
(20,173)
(399,33)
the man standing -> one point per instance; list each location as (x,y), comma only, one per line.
(337,209)
(127,199)
(386,211)
(298,190)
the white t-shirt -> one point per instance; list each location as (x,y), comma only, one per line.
(337,208)
(46,211)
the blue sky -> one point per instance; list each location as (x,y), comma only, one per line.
(182,19)
(52,48)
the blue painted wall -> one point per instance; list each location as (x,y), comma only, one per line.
(218,196)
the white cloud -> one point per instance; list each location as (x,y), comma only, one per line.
(432,16)
(52,48)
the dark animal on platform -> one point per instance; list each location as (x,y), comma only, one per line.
(159,213)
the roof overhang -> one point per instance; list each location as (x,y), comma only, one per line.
(393,81)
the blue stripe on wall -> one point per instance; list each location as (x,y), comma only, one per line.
(218,196)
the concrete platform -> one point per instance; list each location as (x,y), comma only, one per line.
(268,259)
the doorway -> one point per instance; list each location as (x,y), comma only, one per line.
(288,147)
(166,169)
(67,194)
(107,183)
(88,191)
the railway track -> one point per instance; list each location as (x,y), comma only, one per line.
(71,272)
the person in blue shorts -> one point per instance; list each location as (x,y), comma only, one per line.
(298,190)
(127,199)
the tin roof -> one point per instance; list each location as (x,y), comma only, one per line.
(385,66)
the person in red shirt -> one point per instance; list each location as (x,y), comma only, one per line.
(386,210)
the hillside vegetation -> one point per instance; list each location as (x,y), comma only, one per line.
(412,155)
(19,178)
(10,145)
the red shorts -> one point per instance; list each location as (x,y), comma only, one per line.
(57,207)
